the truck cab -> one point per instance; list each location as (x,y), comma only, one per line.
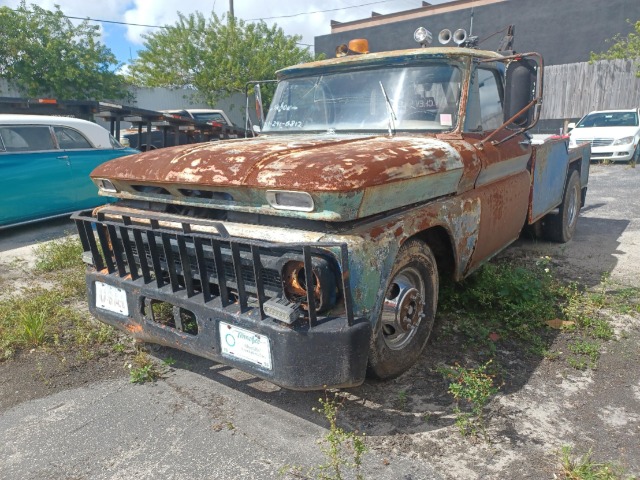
(311,255)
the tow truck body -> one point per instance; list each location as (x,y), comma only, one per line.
(311,255)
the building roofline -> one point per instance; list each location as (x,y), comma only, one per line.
(424,11)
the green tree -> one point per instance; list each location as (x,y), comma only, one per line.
(43,53)
(623,48)
(217,58)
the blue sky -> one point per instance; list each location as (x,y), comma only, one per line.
(125,41)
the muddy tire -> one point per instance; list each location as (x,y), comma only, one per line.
(408,312)
(562,226)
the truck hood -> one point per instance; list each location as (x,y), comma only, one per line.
(346,166)
(589,133)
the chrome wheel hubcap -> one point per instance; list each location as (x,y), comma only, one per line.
(403,308)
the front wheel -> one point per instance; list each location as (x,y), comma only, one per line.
(561,227)
(408,312)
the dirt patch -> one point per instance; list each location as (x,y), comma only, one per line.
(543,405)
(37,374)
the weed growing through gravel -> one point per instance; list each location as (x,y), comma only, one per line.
(49,318)
(584,468)
(504,302)
(508,305)
(401,401)
(501,300)
(142,369)
(59,255)
(584,350)
(343,450)
(473,387)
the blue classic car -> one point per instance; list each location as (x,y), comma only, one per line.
(45,164)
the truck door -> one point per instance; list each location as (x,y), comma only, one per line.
(503,182)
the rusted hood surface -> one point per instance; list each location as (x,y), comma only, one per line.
(314,163)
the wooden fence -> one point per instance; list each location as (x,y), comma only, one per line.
(575,89)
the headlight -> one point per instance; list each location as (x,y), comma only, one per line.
(286,200)
(623,141)
(106,185)
(295,286)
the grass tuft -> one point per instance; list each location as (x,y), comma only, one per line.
(59,255)
(472,388)
(142,369)
(584,468)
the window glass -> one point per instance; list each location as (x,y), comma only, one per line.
(490,99)
(70,139)
(210,117)
(26,138)
(421,97)
(610,119)
(114,143)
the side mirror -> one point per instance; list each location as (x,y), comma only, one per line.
(571,126)
(523,88)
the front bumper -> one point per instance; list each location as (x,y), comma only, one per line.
(618,153)
(331,354)
(211,277)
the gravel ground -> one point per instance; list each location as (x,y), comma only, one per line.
(64,420)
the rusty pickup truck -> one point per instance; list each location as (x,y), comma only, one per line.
(310,256)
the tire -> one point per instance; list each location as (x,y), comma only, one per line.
(408,312)
(561,227)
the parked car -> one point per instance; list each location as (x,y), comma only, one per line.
(613,134)
(204,115)
(45,164)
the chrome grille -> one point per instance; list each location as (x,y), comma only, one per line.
(596,142)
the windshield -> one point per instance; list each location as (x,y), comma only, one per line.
(403,98)
(209,117)
(610,119)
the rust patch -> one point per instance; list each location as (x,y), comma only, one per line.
(134,328)
(309,163)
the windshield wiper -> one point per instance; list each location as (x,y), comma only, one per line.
(390,112)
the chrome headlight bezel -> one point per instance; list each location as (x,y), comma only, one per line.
(290,200)
(105,185)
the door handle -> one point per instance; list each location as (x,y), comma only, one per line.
(64,157)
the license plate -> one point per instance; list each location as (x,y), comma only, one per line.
(245,345)
(110,298)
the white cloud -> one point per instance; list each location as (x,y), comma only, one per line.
(163,12)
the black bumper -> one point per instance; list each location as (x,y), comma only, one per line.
(333,353)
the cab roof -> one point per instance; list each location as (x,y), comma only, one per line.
(391,57)
(97,135)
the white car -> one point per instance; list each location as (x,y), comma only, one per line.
(203,115)
(614,135)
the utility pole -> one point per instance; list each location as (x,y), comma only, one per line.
(231,15)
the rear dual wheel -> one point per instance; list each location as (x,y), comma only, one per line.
(408,312)
(561,227)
